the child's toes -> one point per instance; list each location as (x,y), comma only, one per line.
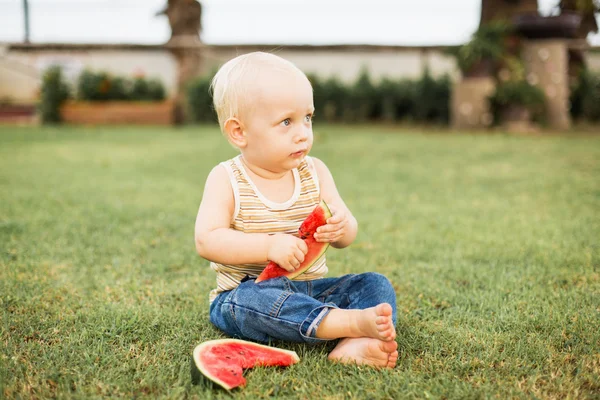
(387,335)
(383,309)
(392,359)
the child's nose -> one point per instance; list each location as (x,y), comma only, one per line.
(302,134)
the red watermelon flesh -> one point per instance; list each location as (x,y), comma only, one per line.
(223,361)
(316,249)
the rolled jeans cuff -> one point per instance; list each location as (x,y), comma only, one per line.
(308,327)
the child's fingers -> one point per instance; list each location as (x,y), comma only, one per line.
(294,262)
(299,256)
(287,266)
(328,237)
(332,227)
(303,247)
(335,218)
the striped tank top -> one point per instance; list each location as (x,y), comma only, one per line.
(253,213)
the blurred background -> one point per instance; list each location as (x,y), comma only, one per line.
(94,41)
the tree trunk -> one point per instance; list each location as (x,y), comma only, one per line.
(492,10)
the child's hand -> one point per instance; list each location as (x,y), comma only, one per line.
(287,251)
(335,229)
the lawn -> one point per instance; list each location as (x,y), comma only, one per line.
(491,242)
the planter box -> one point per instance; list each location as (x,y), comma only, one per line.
(517,119)
(118,113)
(17,113)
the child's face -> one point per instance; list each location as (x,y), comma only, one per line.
(278,123)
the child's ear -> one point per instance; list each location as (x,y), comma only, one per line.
(235,132)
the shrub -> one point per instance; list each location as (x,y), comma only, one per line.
(591,99)
(486,44)
(585,97)
(101,86)
(156,90)
(397,100)
(423,100)
(139,89)
(199,100)
(361,99)
(54,92)
(432,99)
(94,86)
(518,93)
(330,97)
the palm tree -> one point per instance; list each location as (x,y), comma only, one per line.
(26,17)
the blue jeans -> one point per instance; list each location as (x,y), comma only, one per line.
(281,309)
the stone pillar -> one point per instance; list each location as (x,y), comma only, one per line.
(469,107)
(547,66)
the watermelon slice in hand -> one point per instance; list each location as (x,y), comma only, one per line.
(315,249)
(222,361)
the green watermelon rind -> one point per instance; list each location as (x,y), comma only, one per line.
(198,371)
(325,246)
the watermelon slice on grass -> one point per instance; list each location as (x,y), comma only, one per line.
(316,249)
(223,361)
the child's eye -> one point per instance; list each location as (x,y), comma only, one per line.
(286,122)
(308,118)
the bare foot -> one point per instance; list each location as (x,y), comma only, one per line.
(376,322)
(365,351)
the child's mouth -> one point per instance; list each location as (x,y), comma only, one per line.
(298,154)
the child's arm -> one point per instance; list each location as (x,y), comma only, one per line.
(217,242)
(342,227)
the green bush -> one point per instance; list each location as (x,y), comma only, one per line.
(397,100)
(101,86)
(93,86)
(199,100)
(119,89)
(585,97)
(432,98)
(330,97)
(520,93)
(362,99)
(487,43)
(139,89)
(156,90)
(423,100)
(591,100)
(54,92)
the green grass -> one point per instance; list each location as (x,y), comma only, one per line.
(491,241)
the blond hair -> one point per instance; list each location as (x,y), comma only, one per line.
(230,86)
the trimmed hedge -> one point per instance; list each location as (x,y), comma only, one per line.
(54,92)
(423,100)
(93,86)
(585,97)
(101,86)
(199,100)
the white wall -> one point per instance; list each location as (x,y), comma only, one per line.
(21,66)
(21,70)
